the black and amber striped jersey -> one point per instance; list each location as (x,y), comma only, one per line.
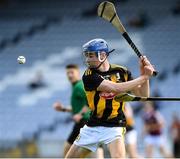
(105,110)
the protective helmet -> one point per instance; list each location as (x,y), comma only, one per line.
(96,45)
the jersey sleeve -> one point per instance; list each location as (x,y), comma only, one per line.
(91,80)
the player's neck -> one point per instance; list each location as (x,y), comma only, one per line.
(104,67)
(74,82)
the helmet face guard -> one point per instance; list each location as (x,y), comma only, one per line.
(96,53)
(91,59)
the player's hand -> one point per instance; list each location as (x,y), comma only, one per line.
(145,66)
(148,71)
(85,109)
(77,117)
(58,106)
(143,62)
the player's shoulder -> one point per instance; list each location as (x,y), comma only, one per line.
(79,85)
(158,113)
(118,67)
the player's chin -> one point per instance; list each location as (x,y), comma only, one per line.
(72,80)
(91,66)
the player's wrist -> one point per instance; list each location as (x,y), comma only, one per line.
(141,73)
(81,113)
(145,77)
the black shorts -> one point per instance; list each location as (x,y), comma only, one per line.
(75,131)
(176,149)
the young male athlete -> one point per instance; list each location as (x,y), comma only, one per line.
(102,81)
(153,131)
(79,109)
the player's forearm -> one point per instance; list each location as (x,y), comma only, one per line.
(65,110)
(145,89)
(68,109)
(130,85)
(142,90)
(84,110)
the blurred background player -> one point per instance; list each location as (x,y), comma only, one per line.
(131,133)
(175,134)
(79,109)
(38,81)
(153,130)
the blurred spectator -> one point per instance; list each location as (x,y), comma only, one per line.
(38,81)
(17,38)
(32,30)
(175,132)
(140,21)
(176,8)
(153,130)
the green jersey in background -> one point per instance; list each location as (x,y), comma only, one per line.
(79,100)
